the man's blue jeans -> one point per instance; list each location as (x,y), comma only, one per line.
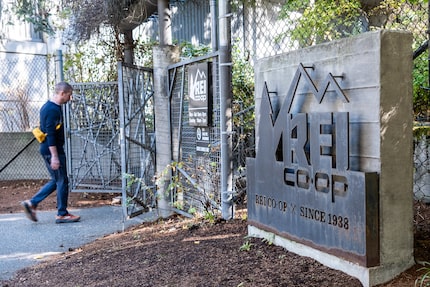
(59,182)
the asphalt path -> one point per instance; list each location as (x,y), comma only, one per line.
(24,243)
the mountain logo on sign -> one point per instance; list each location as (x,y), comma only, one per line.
(198,87)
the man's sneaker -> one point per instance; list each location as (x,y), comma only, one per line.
(29,210)
(67,218)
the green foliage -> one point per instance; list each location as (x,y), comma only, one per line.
(420,131)
(36,13)
(320,21)
(192,210)
(402,15)
(143,52)
(171,175)
(189,50)
(246,246)
(178,205)
(242,86)
(243,103)
(175,181)
(424,280)
(421,96)
(92,61)
(313,22)
(131,180)
(209,216)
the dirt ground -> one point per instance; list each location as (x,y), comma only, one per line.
(185,252)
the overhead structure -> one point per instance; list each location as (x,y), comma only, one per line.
(138,13)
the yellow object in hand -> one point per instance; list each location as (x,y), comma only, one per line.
(39,135)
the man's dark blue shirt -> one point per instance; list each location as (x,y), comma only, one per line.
(51,123)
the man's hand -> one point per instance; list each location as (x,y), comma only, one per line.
(55,162)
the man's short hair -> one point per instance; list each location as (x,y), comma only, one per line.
(63,87)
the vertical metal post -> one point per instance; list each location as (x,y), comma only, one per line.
(214,45)
(214,26)
(225,109)
(59,77)
(122,141)
(59,66)
(164,22)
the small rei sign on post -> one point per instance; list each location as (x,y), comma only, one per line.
(200,95)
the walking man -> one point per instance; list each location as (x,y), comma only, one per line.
(52,151)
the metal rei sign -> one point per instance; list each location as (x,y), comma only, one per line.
(300,185)
(200,94)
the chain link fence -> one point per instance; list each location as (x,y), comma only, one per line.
(198,158)
(24,88)
(266,28)
(259,29)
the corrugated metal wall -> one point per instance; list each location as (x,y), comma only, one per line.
(195,29)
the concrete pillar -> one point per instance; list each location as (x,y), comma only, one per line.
(162,57)
(396,157)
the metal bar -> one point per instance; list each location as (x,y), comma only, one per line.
(180,113)
(225,109)
(421,49)
(244,111)
(98,190)
(165,22)
(20,152)
(122,140)
(193,60)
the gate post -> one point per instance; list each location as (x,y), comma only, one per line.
(163,56)
(225,63)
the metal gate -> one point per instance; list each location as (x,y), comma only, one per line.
(198,173)
(110,142)
(136,106)
(92,118)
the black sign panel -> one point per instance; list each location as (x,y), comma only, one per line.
(200,94)
(202,141)
(300,185)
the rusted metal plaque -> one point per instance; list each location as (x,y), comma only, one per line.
(300,185)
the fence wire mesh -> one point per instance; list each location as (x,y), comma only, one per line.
(199,176)
(266,28)
(259,29)
(138,137)
(23,89)
(93,148)
(422,168)
(26,81)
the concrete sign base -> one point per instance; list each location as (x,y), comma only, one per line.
(367,276)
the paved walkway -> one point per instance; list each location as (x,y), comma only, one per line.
(24,243)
